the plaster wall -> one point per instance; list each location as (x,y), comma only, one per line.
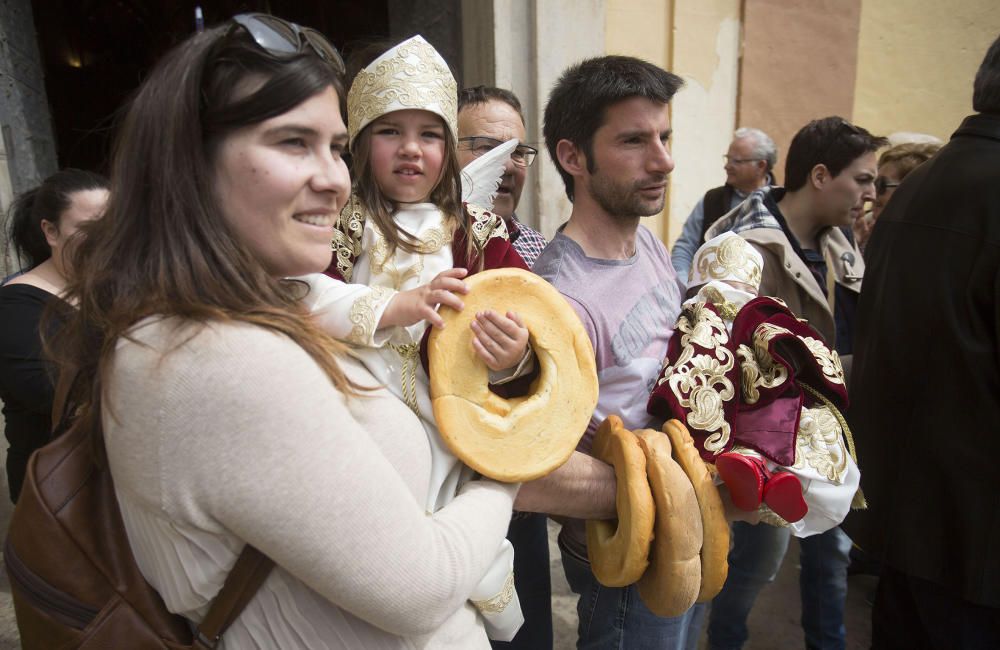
(706,48)
(641,28)
(799,63)
(564,32)
(916,63)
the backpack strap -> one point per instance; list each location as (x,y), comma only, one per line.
(67,376)
(247,575)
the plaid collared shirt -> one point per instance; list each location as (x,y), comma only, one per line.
(527,242)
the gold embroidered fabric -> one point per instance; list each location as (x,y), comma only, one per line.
(362,314)
(828,360)
(727,310)
(699,381)
(410,75)
(346,242)
(485,225)
(380,262)
(754,375)
(820,445)
(498,603)
(728,257)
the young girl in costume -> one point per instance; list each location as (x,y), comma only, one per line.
(760,393)
(403,244)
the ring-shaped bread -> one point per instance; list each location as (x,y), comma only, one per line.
(671,583)
(619,551)
(521,438)
(715,528)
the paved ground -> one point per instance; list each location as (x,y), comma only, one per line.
(773,623)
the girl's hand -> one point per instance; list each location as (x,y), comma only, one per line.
(412,306)
(500,341)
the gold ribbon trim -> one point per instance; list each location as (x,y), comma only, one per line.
(498,603)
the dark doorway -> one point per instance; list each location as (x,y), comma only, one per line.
(96,52)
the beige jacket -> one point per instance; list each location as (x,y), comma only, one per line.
(785,275)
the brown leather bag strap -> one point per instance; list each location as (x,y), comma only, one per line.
(65,382)
(248,574)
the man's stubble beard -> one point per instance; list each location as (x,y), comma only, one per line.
(622,203)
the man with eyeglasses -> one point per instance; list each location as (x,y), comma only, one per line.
(488,117)
(749,163)
(812,265)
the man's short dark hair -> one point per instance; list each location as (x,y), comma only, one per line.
(580,99)
(833,142)
(986,87)
(486,94)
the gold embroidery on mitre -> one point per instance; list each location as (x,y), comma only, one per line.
(346,241)
(362,314)
(819,443)
(410,75)
(498,603)
(730,260)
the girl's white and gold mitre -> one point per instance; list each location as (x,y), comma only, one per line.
(411,75)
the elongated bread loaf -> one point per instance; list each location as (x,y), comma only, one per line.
(619,554)
(715,545)
(671,584)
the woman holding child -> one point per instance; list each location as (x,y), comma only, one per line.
(229,416)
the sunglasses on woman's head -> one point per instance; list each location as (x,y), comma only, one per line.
(281,37)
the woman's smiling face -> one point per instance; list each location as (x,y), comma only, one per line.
(282,182)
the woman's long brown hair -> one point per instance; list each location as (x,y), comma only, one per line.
(163,247)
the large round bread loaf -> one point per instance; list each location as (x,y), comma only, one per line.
(715,545)
(619,551)
(523,438)
(670,585)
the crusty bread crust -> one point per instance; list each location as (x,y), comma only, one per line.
(715,545)
(619,552)
(670,585)
(523,438)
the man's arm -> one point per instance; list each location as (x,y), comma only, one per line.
(687,244)
(583,488)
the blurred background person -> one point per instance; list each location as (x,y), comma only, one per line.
(893,166)
(42,222)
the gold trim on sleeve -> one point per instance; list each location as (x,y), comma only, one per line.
(362,314)
(498,603)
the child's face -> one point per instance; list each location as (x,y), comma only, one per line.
(407,154)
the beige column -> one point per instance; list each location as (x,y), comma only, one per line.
(705,51)
(530,43)
(916,63)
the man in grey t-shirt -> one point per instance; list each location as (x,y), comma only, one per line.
(607,126)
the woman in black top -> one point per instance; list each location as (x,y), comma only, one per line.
(42,222)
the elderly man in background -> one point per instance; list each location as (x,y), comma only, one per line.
(488,117)
(749,164)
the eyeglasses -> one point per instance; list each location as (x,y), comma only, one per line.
(739,161)
(522,156)
(281,37)
(881,185)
